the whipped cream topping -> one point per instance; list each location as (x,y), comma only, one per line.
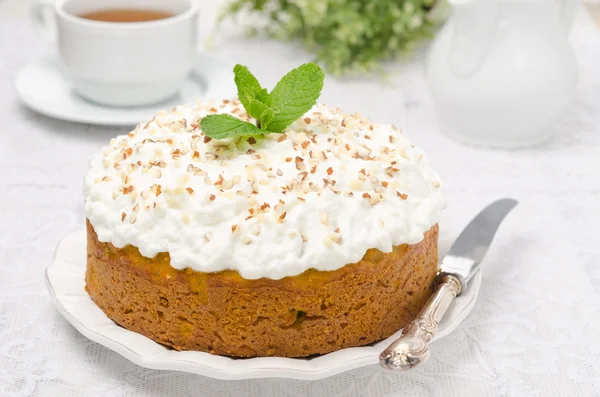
(317,196)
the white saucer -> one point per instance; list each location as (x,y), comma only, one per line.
(65,278)
(43,87)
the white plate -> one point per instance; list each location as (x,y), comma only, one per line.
(66,282)
(43,87)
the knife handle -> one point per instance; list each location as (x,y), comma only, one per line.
(412,347)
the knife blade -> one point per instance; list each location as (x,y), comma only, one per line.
(457,268)
(472,244)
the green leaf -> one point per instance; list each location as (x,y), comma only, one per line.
(263,96)
(261,112)
(254,98)
(247,85)
(221,126)
(265,119)
(295,94)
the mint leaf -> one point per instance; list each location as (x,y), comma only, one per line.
(247,85)
(295,94)
(261,113)
(220,126)
(265,119)
(254,98)
(263,96)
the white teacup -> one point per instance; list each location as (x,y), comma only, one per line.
(122,63)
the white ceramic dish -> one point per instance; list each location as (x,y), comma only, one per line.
(66,282)
(42,87)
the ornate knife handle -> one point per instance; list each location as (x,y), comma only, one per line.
(412,347)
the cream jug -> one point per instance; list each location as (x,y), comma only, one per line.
(501,71)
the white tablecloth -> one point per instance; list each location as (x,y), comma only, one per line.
(535,330)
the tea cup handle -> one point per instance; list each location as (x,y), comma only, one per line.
(44,20)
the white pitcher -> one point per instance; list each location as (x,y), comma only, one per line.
(501,71)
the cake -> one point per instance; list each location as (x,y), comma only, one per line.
(295,244)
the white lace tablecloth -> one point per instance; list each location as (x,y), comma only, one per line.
(535,330)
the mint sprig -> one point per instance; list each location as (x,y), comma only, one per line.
(295,94)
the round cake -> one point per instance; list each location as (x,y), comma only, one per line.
(293,244)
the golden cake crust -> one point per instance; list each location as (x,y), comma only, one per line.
(315,312)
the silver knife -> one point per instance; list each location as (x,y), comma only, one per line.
(457,268)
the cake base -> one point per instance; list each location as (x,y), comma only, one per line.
(315,312)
